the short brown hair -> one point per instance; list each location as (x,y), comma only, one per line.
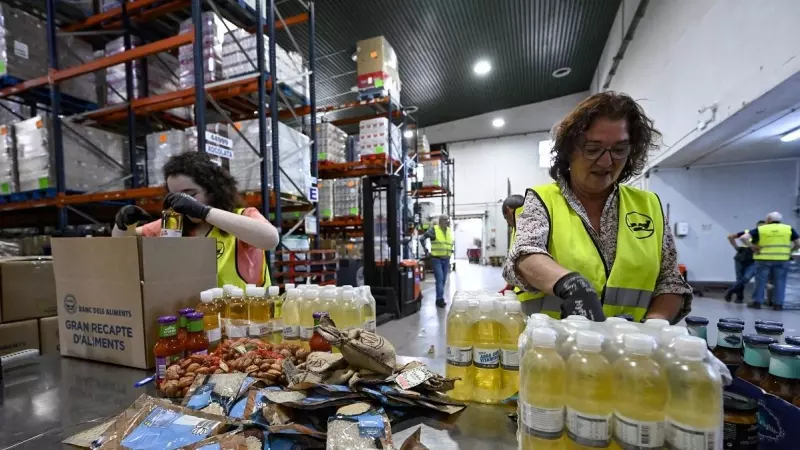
(568,134)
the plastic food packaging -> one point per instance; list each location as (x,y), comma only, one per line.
(359,427)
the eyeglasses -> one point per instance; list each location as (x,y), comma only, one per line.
(594,152)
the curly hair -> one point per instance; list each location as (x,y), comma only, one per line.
(217,181)
(569,133)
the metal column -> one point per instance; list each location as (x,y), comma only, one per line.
(313,106)
(132,157)
(273,112)
(404,193)
(55,108)
(262,108)
(368,211)
(199,76)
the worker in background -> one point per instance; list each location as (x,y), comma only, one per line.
(511,206)
(206,195)
(773,244)
(744,263)
(441,236)
(588,244)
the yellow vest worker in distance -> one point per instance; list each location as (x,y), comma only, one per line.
(441,237)
(774,243)
(206,195)
(587,244)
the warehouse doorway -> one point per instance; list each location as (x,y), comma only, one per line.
(468,236)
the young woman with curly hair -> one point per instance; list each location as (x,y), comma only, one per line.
(588,244)
(206,195)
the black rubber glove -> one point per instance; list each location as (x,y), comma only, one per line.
(187,205)
(579,297)
(130,215)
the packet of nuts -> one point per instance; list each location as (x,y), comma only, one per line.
(216,394)
(359,427)
(362,349)
(240,439)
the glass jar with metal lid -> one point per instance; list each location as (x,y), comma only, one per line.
(783,371)
(773,331)
(697,326)
(756,358)
(740,428)
(729,343)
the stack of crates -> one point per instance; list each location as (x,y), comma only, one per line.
(331,143)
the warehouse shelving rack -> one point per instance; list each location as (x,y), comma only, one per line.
(231,98)
(444,193)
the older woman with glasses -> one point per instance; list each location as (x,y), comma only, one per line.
(588,244)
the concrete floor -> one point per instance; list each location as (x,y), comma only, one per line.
(423,334)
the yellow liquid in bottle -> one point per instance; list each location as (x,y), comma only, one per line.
(260,315)
(542,399)
(310,305)
(211,318)
(640,399)
(236,312)
(513,326)
(487,380)
(459,352)
(694,404)
(291,317)
(276,325)
(589,400)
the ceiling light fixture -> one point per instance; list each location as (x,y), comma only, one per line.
(498,122)
(791,136)
(482,67)
(562,72)
(408,134)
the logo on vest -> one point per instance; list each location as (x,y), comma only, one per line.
(640,224)
(220,249)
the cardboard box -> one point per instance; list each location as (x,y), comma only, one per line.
(27,288)
(18,336)
(111,291)
(48,336)
(376,65)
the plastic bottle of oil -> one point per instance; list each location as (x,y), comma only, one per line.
(459,350)
(291,316)
(665,354)
(694,407)
(513,324)
(653,327)
(569,344)
(237,314)
(542,393)
(614,347)
(226,298)
(310,305)
(211,317)
(368,309)
(589,397)
(487,380)
(350,308)
(640,395)
(276,324)
(260,312)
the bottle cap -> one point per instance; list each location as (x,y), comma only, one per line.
(486,304)
(784,350)
(195,316)
(792,340)
(615,320)
(544,337)
(320,314)
(366,288)
(579,325)
(510,295)
(185,311)
(638,343)
(576,317)
(329,294)
(540,316)
(758,341)
(670,333)
(251,291)
(288,286)
(627,317)
(249,285)
(656,323)
(763,328)
(207,296)
(236,292)
(261,292)
(768,322)
(696,321)
(226,288)
(690,347)
(732,320)
(730,326)
(274,290)
(619,329)
(217,292)
(166,320)
(512,306)
(348,286)
(589,341)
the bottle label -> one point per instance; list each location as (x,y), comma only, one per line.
(698,332)
(685,437)
(199,352)
(459,356)
(370,326)
(214,334)
(236,331)
(509,359)
(782,366)
(260,329)
(740,436)
(588,429)
(161,367)
(171,233)
(729,339)
(486,358)
(544,423)
(306,333)
(632,434)
(291,332)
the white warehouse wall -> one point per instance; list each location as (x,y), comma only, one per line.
(717,201)
(689,54)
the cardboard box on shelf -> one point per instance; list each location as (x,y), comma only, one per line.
(27,288)
(111,291)
(18,336)
(376,65)
(48,336)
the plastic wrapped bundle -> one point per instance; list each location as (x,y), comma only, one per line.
(423,146)
(432,173)
(73,52)
(326,188)
(7,182)
(331,143)
(213,36)
(161,70)
(346,197)
(23,44)
(374,138)
(160,147)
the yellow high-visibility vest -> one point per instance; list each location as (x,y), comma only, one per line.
(627,287)
(775,242)
(442,246)
(227,271)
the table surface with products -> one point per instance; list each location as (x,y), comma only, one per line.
(52,398)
